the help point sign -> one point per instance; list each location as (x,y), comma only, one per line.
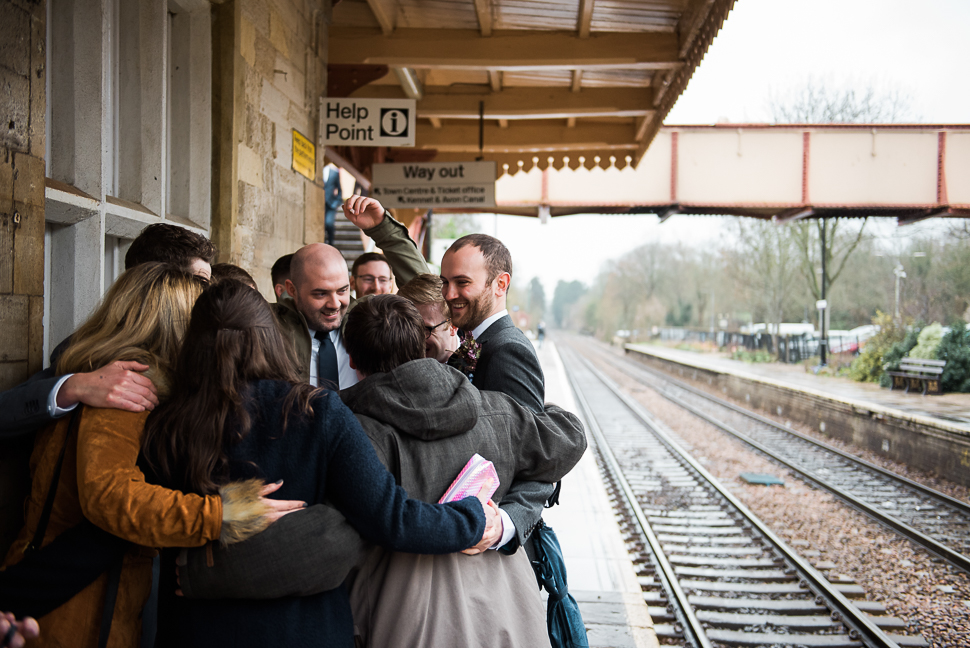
(435,184)
(368,122)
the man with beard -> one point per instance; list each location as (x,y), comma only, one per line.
(476,272)
(319,293)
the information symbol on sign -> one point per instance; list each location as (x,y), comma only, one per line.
(394,122)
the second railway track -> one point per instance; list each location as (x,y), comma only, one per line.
(933,520)
(710,568)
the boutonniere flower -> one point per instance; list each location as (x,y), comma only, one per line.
(465,358)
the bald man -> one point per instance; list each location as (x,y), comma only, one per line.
(319,291)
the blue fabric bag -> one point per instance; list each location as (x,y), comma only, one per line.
(563,618)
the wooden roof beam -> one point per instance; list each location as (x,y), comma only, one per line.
(516,50)
(386,13)
(585,19)
(483,8)
(532,137)
(577,83)
(690,23)
(529,160)
(410,83)
(524,103)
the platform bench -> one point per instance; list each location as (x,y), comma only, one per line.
(916,373)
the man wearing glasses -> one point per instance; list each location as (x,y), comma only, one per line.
(441,336)
(371,275)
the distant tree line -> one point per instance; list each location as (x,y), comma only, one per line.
(770,273)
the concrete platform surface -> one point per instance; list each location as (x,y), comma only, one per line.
(952,409)
(599,570)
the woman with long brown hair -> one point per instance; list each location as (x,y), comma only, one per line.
(239,410)
(85,465)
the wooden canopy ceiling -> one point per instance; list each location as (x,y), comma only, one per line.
(558,82)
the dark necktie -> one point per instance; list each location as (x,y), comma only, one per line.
(327,375)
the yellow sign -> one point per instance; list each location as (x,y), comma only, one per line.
(304,156)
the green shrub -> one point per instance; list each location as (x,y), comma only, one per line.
(955,349)
(929,340)
(752,356)
(896,353)
(868,366)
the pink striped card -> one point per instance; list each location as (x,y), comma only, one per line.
(469,481)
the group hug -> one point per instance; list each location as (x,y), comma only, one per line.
(211,469)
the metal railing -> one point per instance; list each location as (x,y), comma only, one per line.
(792,349)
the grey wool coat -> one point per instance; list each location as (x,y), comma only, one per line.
(426,421)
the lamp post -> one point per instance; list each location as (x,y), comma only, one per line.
(822,304)
(900,274)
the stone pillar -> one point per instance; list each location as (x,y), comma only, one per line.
(23,77)
(23,95)
(269,71)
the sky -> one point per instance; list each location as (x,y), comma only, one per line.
(768,48)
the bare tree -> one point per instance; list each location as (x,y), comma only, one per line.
(840,243)
(818,102)
(767,262)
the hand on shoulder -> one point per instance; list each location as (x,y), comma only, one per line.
(119,385)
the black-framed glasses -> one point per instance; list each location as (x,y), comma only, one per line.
(370,279)
(429,330)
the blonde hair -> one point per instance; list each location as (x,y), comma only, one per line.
(423,290)
(143,317)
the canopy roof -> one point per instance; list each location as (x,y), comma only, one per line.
(590,79)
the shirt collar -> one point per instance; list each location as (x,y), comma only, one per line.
(313,334)
(481,328)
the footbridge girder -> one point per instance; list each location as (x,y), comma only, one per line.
(780,172)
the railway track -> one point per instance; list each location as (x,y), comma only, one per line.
(935,521)
(712,573)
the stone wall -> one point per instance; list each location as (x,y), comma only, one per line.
(22,94)
(262,208)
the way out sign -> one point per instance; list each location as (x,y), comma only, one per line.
(368,122)
(435,184)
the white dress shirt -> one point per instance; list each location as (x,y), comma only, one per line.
(481,328)
(346,376)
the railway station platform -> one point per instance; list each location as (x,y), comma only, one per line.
(928,433)
(600,572)
(953,409)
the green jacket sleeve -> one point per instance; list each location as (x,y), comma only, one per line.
(391,236)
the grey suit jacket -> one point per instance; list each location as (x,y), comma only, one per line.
(509,364)
(23,409)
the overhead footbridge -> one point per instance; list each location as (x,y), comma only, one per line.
(777,172)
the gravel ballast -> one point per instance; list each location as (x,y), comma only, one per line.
(927,593)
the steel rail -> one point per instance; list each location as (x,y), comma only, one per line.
(860,626)
(925,490)
(932,545)
(693,629)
